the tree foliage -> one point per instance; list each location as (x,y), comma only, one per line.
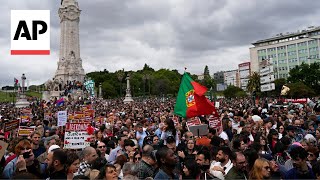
(160,82)
(254,82)
(300,90)
(306,74)
(233,91)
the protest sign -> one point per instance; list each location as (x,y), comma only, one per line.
(76,136)
(25,119)
(8,126)
(214,122)
(3,147)
(25,130)
(193,122)
(62,118)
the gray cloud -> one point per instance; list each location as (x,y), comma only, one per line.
(164,34)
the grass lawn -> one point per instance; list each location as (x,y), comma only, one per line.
(5,97)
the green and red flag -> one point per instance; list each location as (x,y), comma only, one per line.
(191,100)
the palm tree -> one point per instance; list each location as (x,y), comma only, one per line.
(254,82)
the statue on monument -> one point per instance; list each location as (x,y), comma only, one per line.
(56,84)
(49,85)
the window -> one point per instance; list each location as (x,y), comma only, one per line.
(291,46)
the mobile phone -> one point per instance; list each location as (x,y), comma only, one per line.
(26,155)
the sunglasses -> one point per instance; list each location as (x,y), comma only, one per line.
(267,168)
(101,146)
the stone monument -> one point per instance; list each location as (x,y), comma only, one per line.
(70,63)
(128,97)
(21,100)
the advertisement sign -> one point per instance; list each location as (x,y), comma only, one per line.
(266,79)
(268,87)
(266,71)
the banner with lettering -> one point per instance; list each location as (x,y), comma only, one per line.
(8,126)
(25,130)
(214,122)
(76,136)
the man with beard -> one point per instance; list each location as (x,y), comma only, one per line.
(239,169)
(167,161)
(300,169)
(56,161)
(223,165)
(203,160)
(89,155)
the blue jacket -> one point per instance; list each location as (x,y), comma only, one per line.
(10,169)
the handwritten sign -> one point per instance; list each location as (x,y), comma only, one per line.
(76,136)
(8,126)
(62,118)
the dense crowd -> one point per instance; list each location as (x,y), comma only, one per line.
(145,140)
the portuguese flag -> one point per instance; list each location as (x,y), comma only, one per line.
(191,100)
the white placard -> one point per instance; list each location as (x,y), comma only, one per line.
(62,118)
(268,87)
(267,70)
(76,140)
(266,79)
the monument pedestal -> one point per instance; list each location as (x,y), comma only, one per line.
(128,98)
(22,102)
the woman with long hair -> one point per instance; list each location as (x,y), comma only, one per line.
(260,170)
(226,134)
(281,130)
(169,130)
(73,164)
(191,170)
(189,152)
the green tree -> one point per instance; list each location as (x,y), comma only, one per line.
(308,74)
(108,90)
(254,82)
(300,90)
(233,91)
(207,79)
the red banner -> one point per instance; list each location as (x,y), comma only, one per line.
(77,126)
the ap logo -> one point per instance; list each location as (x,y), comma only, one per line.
(30,32)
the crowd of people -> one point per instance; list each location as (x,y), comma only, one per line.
(145,140)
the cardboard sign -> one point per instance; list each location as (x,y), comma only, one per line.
(62,118)
(76,136)
(193,122)
(76,140)
(3,147)
(25,131)
(214,122)
(8,126)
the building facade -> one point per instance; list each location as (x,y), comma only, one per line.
(285,51)
(219,77)
(244,74)
(232,78)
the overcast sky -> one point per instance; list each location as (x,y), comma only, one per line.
(173,34)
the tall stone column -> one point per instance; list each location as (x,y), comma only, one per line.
(100,90)
(21,100)
(128,97)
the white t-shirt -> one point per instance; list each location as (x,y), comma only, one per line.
(219,174)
